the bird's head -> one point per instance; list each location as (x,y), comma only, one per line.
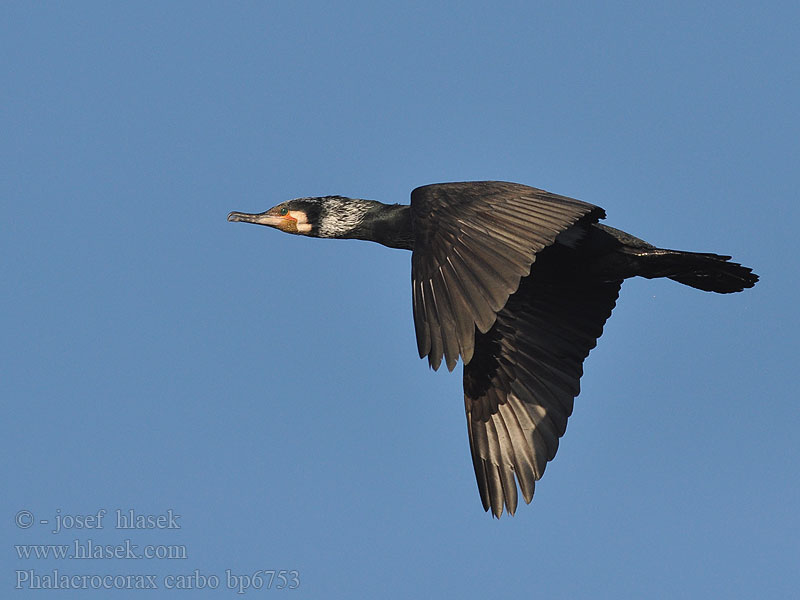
(298,216)
(324,217)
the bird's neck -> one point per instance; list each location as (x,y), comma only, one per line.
(386,224)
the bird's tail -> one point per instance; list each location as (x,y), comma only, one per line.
(704,271)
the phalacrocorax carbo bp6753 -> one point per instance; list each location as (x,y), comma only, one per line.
(516,281)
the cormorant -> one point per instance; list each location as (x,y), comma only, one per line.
(516,281)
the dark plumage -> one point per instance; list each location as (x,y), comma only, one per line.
(517,282)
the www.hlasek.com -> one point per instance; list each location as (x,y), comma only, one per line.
(89,549)
(263,579)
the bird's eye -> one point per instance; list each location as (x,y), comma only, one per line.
(284,211)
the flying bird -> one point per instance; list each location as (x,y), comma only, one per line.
(518,283)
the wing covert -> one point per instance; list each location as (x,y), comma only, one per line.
(473,242)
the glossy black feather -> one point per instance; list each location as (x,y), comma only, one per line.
(519,387)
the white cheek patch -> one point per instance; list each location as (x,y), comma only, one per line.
(303,226)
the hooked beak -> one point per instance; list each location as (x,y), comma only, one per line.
(258,219)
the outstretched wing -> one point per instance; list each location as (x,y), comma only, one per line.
(473,242)
(520,385)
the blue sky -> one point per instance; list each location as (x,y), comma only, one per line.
(266,388)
